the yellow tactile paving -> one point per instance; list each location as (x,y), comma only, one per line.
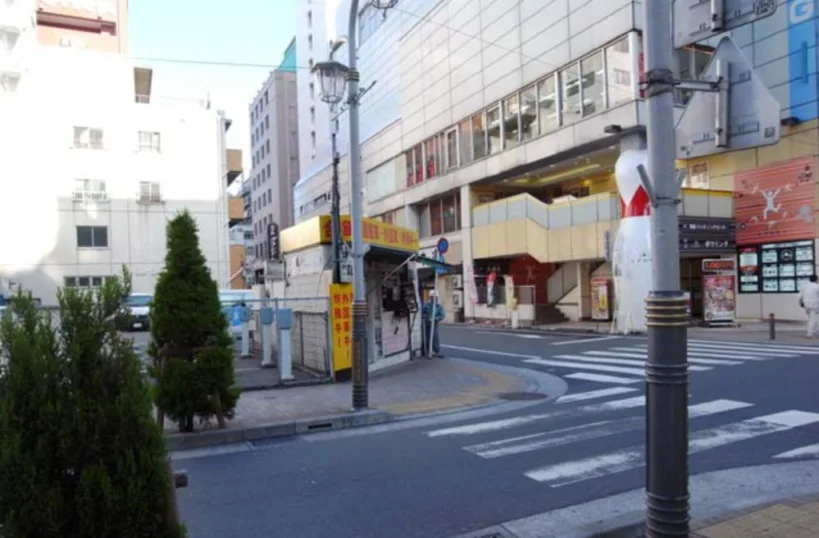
(778,521)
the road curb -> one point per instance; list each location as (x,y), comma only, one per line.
(211,438)
(539,330)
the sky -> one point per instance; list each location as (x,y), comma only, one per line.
(248,32)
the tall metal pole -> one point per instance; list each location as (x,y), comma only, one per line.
(360,347)
(335,214)
(666,308)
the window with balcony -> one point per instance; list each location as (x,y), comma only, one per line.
(570,93)
(593,84)
(478,136)
(148,141)
(149,192)
(92,236)
(618,72)
(548,105)
(493,127)
(90,190)
(528,113)
(88,138)
(511,122)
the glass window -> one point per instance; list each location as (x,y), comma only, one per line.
(511,122)
(570,93)
(493,127)
(478,136)
(549,115)
(465,146)
(618,72)
(450,214)
(419,163)
(691,62)
(594,95)
(431,155)
(435,218)
(528,113)
(451,138)
(410,169)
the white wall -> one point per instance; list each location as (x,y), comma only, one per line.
(70,88)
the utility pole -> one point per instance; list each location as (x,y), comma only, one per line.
(666,316)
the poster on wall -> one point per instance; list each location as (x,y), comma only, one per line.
(775,203)
(600,299)
(719,299)
(395,333)
(341,300)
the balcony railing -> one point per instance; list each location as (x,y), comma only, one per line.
(90,196)
(149,198)
(596,208)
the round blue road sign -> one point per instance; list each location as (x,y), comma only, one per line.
(442,246)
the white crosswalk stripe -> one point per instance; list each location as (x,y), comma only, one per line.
(586,432)
(602,378)
(505,424)
(632,458)
(592,425)
(625,364)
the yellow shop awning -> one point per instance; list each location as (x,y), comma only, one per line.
(319,231)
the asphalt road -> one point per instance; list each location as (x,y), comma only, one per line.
(749,404)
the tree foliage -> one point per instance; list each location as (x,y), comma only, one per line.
(190,343)
(80,453)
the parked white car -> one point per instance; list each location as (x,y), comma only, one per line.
(139,308)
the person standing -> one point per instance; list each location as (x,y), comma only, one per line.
(432,314)
(809,300)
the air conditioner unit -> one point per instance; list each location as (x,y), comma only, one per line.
(458,282)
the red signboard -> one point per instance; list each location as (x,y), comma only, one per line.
(775,203)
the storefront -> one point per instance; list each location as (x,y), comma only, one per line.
(394,323)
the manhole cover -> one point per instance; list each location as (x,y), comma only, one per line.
(520,396)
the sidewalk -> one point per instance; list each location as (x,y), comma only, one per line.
(420,386)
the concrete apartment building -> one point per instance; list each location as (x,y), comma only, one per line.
(497,123)
(111,162)
(274,146)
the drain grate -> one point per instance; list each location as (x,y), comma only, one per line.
(521,396)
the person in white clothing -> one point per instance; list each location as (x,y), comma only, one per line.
(809,300)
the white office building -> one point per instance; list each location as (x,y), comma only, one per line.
(94,166)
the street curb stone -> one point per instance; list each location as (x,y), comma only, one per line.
(179,442)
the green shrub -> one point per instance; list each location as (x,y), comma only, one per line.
(80,452)
(190,332)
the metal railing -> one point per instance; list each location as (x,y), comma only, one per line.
(90,196)
(595,208)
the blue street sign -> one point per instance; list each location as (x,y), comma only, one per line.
(442,246)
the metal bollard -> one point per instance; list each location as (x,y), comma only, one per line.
(266,314)
(284,324)
(180,479)
(246,314)
(772,326)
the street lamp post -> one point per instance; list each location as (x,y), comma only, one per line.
(332,76)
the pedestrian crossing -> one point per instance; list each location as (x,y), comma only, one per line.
(593,422)
(625,364)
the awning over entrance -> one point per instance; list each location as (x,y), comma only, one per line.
(379,235)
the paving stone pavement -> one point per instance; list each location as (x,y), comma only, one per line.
(792,518)
(421,385)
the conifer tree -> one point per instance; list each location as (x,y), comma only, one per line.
(190,343)
(80,452)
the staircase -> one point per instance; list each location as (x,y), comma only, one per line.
(548,313)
